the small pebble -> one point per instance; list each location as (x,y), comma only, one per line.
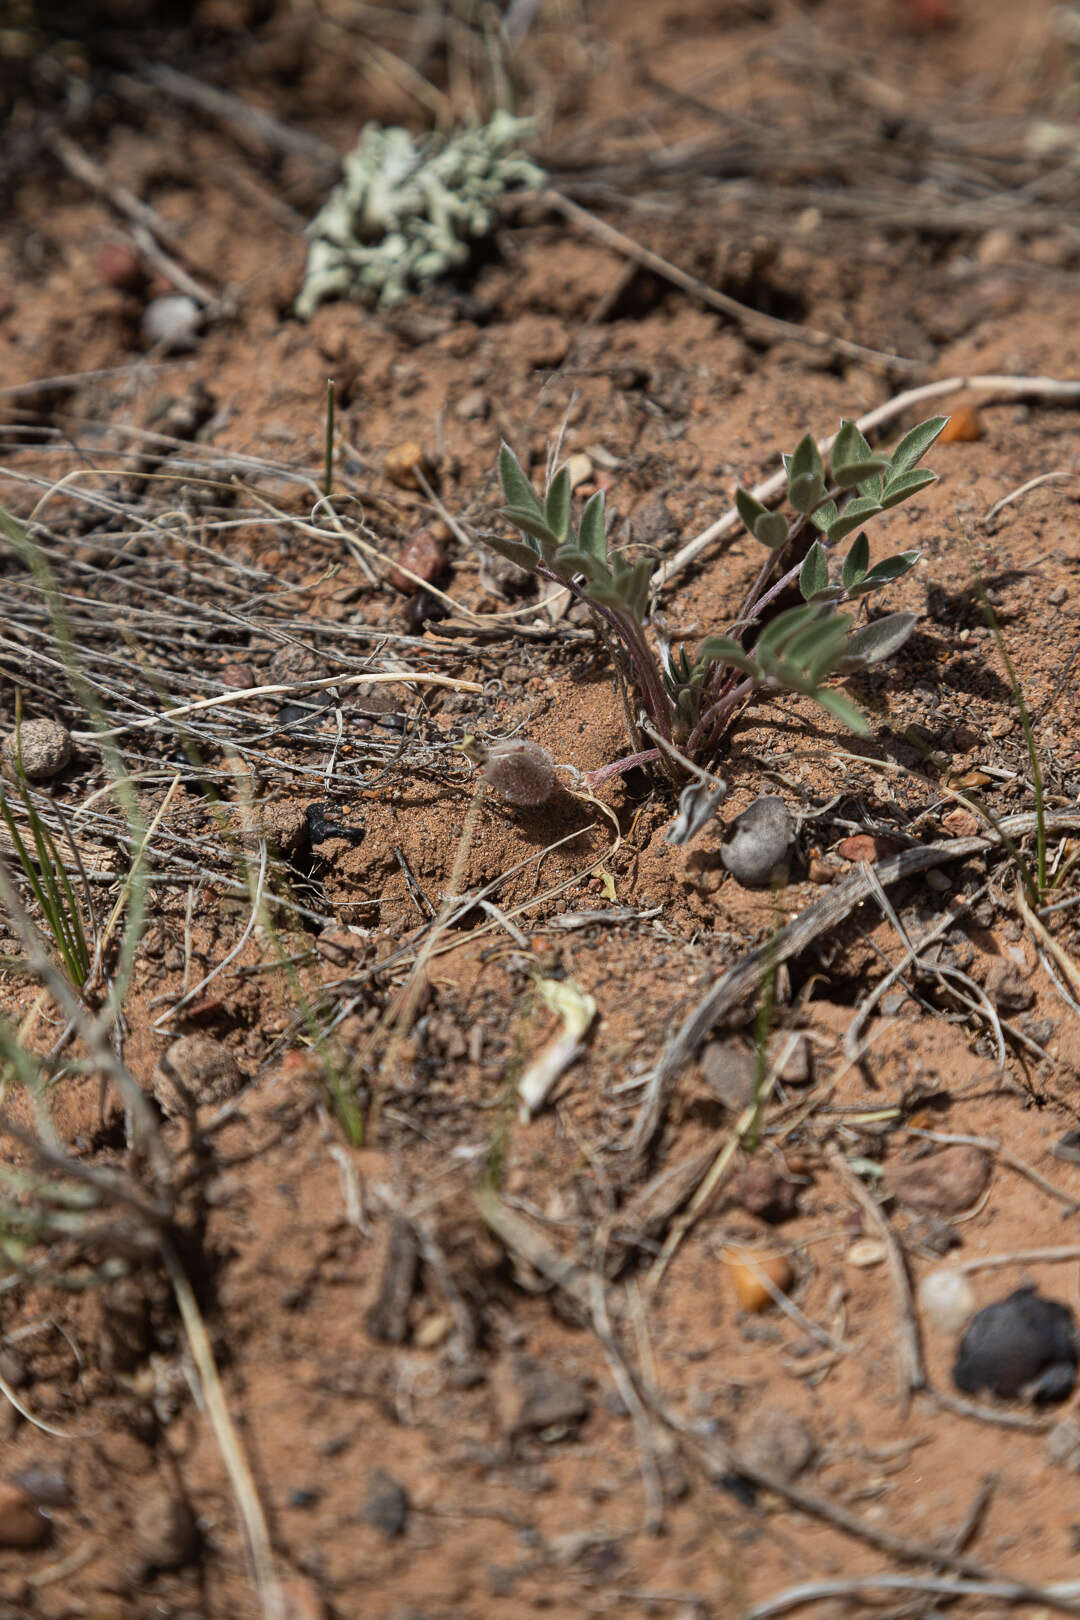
(1009,992)
(864,847)
(387,1505)
(729,1072)
(1059,594)
(580,469)
(947,1299)
(423,557)
(404,462)
(653,521)
(432,1331)
(172,323)
(963,427)
(947,1182)
(777,1442)
(473,406)
(47,1487)
(196,1070)
(865,1253)
(530,1395)
(294,663)
(997,246)
(421,608)
(750,1291)
(1063,1444)
(44,746)
(758,841)
(293,717)
(763,1191)
(961,823)
(120,267)
(1022,1344)
(21,1525)
(303,1496)
(283,824)
(166,1534)
(238,676)
(819,871)
(796,1069)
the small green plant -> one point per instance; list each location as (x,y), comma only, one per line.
(50,883)
(691,699)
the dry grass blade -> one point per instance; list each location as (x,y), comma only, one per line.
(236,1464)
(226,699)
(93,1031)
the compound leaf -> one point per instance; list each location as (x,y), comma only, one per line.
(806,475)
(806,459)
(806,491)
(570,560)
(720,650)
(774,639)
(637,598)
(849,446)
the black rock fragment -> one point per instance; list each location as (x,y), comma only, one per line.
(320,828)
(1022,1344)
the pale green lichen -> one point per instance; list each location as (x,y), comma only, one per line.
(407,210)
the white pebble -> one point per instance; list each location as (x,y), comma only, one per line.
(172,322)
(947,1298)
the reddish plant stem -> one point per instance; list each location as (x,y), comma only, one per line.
(712,722)
(619,767)
(642,659)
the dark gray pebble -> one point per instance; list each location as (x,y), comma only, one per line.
(387,1504)
(1023,1343)
(756,848)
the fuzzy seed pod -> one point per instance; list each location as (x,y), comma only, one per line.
(521,771)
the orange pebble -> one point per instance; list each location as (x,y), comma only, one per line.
(404,462)
(963,427)
(864,847)
(745,1266)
